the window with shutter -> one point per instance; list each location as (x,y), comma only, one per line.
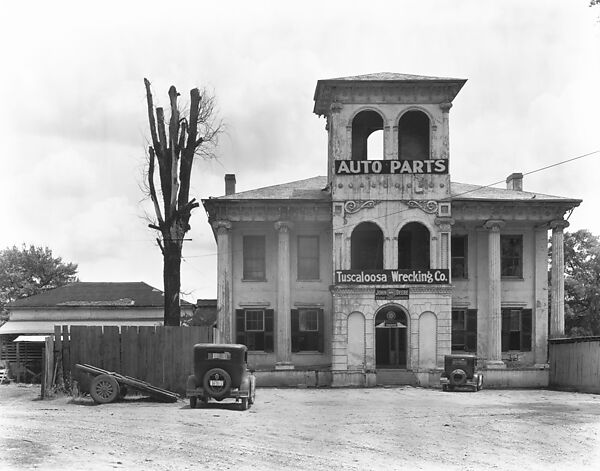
(307,330)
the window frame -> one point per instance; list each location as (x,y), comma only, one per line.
(507,260)
(248,257)
(464,257)
(524,332)
(257,340)
(307,340)
(468,331)
(315,274)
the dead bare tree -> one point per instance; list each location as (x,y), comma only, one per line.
(174,147)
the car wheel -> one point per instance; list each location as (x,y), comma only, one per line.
(217,383)
(193,402)
(458,377)
(104,389)
(244,404)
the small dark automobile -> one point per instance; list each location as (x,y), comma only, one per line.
(221,372)
(459,371)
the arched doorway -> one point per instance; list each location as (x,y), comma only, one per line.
(391,328)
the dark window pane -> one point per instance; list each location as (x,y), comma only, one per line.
(367,247)
(459,256)
(254,258)
(511,249)
(308,257)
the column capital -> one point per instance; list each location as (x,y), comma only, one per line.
(283,226)
(559,224)
(445,107)
(494,225)
(336,107)
(444,223)
(221,226)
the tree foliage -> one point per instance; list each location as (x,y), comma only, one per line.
(30,270)
(582,283)
(176,141)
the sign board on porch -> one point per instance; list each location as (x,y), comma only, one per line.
(393,277)
(391,293)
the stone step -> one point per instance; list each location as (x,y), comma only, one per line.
(393,377)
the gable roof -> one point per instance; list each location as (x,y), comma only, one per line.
(313,189)
(96,294)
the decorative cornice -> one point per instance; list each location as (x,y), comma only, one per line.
(429,207)
(352,207)
(445,107)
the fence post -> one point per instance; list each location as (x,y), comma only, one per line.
(58,358)
(48,368)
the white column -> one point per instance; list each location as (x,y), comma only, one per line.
(283,340)
(445,141)
(224,333)
(557,295)
(494,352)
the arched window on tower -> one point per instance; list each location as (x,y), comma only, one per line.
(367,136)
(367,247)
(413,247)
(413,136)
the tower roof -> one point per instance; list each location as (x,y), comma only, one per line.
(398,88)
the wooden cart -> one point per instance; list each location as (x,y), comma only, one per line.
(108,386)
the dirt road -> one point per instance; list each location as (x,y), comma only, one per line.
(306,429)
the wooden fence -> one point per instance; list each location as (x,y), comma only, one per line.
(161,356)
(575,364)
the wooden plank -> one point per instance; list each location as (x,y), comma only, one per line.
(159,372)
(111,348)
(170,366)
(129,350)
(66,357)
(145,340)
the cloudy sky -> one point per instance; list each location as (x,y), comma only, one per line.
(74,131)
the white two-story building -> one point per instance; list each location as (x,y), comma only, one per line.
(371,274)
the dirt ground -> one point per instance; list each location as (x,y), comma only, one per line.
(306,429)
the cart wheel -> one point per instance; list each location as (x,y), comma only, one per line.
(244,405)
(104,389)
(193,402)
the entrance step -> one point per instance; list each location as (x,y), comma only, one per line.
(393,377)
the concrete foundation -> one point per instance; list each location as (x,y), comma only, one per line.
(509,378)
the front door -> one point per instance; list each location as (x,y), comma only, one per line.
(390,339)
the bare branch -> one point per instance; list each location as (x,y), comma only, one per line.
(152,187)
(173,143)
(151,120)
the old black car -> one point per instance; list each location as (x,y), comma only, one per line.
(221,372)
(460,371)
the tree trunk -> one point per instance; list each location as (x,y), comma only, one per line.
(172,282)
